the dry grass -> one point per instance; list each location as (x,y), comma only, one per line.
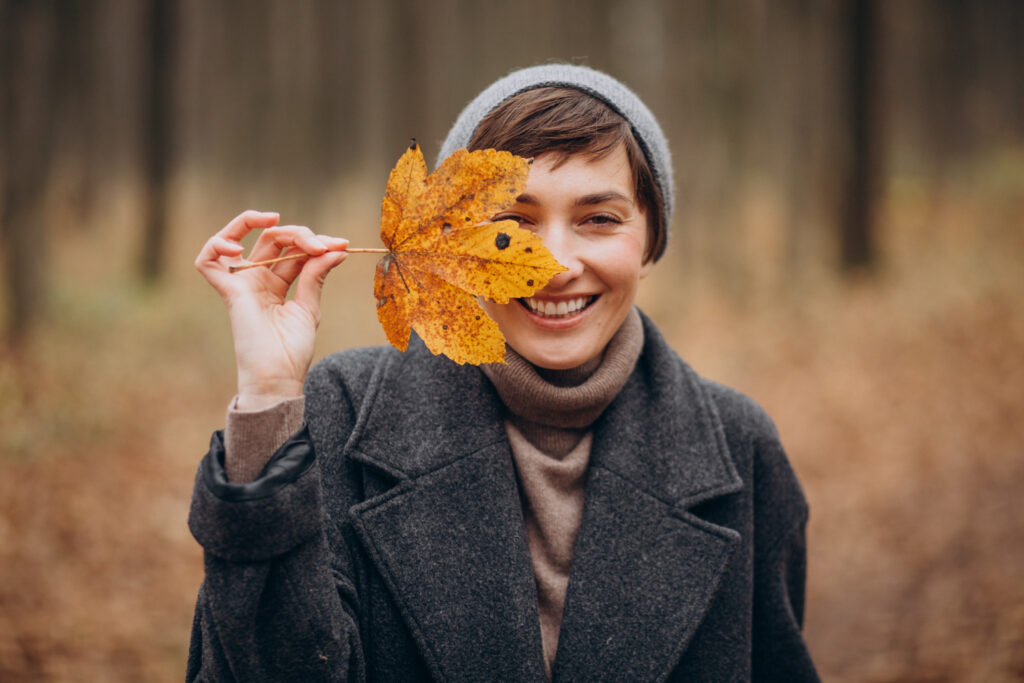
(900,399)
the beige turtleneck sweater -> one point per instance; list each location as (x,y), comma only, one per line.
(548,419)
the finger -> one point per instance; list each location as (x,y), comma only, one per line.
(273,240)
(333,243)
(247,221)
(230,234)
(216,247)
(311,280)
(224,247)
(289,270)
(209,263)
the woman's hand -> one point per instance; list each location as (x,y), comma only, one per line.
(273,336)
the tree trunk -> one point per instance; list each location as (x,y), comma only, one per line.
(158,134)
(28,40)
(857,245)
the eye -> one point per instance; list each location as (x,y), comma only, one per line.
(602,219)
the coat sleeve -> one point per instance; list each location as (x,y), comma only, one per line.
(780,569)
(276,602)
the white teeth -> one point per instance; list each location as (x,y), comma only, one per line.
(551,309)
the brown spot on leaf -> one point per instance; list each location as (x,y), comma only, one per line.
(502,240)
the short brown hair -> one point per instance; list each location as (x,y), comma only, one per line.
(567,121)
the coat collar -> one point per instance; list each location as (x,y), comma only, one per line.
(449,538)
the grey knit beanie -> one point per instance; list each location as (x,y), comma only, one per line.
(599,85)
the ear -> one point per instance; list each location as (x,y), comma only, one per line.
(646,268)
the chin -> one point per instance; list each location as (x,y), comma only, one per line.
(553,359)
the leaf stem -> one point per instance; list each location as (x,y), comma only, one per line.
(298,255)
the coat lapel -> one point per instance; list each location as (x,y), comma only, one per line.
(645,569)
(449,538)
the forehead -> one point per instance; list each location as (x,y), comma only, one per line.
(582,173)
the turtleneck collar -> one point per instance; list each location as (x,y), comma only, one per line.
(553,409)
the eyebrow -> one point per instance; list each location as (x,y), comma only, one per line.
(585,200)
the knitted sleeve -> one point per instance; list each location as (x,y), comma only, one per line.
(251,437)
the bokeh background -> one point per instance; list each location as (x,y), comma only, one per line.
(848,249)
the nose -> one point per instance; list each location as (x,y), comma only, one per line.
(561,241)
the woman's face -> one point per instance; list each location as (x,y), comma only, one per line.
(587,214)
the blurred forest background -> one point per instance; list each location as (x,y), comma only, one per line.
(848,248)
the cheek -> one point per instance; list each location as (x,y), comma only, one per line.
(494,310)
(622,264)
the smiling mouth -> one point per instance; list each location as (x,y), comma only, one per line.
(565,308)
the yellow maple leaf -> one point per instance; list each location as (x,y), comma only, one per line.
(444,252)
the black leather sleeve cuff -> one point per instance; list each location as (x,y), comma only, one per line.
(258,520)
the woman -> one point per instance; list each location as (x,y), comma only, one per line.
(591,510)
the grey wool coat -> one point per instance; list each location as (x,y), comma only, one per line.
(385,541)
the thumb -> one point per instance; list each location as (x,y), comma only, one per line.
(310,282)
